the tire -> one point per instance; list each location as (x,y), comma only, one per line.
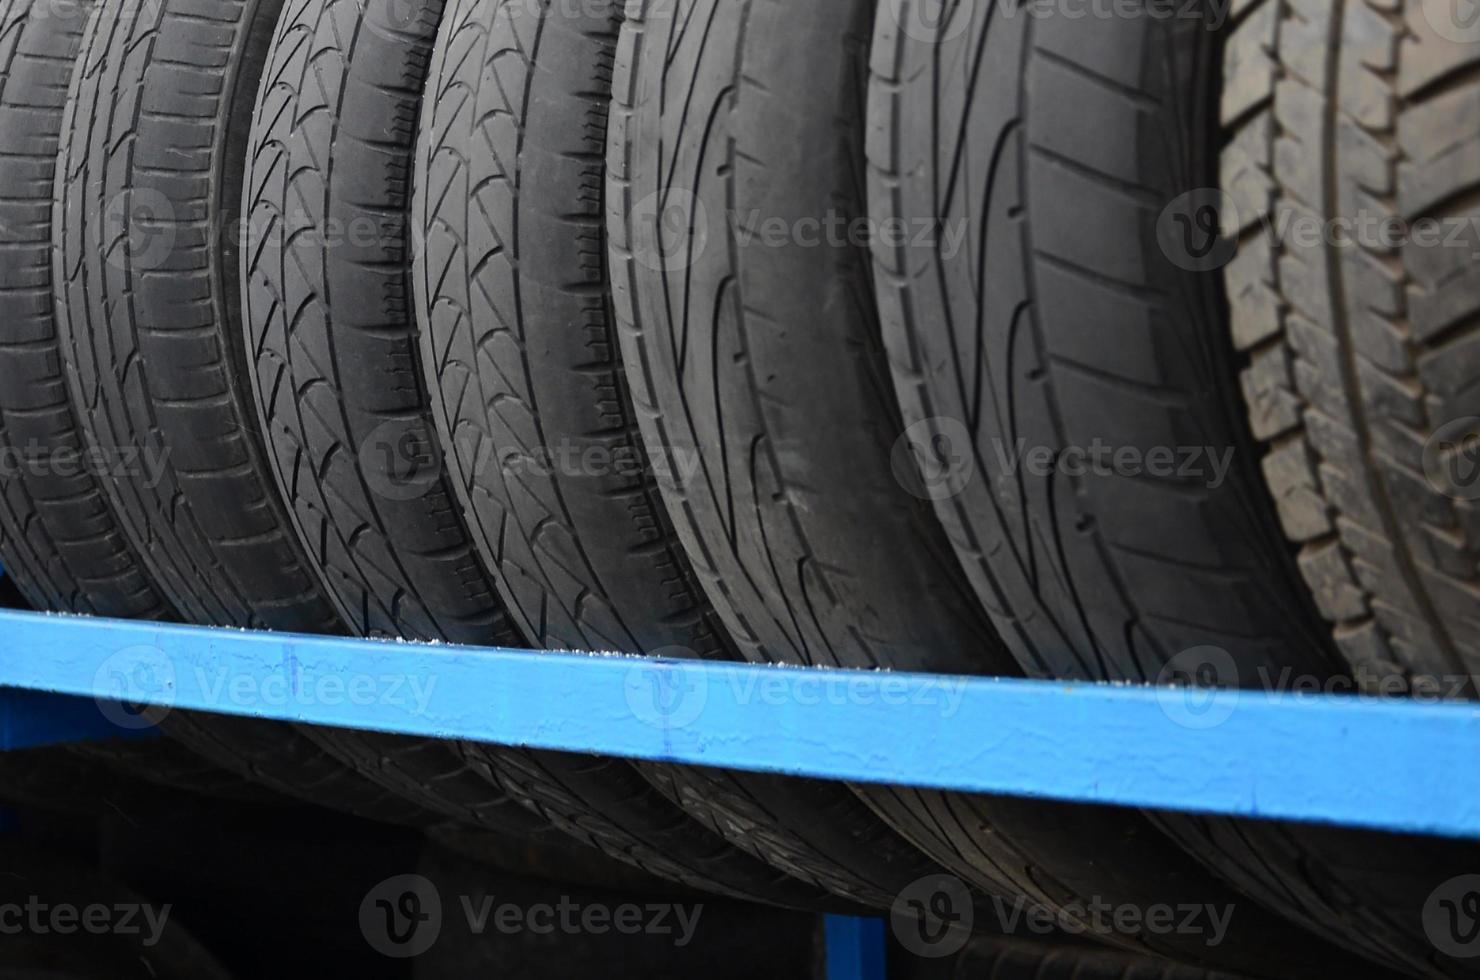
(587,561)
(138,947)
(169,541)
(165,762)
(1000,960)
(1087,136)
(58,537)
(1362,365)
(58,543)
(340,395)
(86,778)
(55,530)
(808,545)
(370,55)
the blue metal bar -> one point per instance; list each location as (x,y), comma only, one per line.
(1373,763)
(856,949)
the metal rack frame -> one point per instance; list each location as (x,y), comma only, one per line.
(1357,762)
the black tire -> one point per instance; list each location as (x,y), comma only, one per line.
(587,560)
(1066,319)
(339,93)
(59,539)
(93,777)
(809,546)
(340,397)
(57,535)
(996,960)
(1362,364)
(204,542)
(166,762)
(141,948)
(167,88)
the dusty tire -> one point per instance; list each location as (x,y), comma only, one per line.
(585,555)
(60,541)
(55,531)
(141,947)
(348,420)
(762,362)
(339,93)
(1361,369)
(165,762)
(201,531)
(89,777)
(1363,366)
(1000,960)
(1069,318)
(160,375)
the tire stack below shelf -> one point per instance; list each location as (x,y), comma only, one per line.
(1114,342)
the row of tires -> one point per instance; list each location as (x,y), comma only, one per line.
(870,333)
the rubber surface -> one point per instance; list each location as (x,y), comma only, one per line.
(146,943)
(1361,367)
(543,441)
(89,777)
(56,533)
(148,304)
(166,762)
(159,101)
(337,383)
(1362,357)
(1063,321)
(60,541)
(761,362)
(991,960)
(339,94)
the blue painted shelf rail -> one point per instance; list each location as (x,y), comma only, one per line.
(1353,761)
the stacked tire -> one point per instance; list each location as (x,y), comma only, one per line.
(929,335)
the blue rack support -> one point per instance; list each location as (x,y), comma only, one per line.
(35,719)
(1359,762)
(856,948)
